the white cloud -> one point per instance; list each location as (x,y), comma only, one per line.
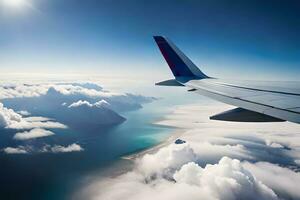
(37,119)
(273,144)
(70,89)
(102,103)
(282,180)
(17,150)
(80,103)
(24,112)
(166,160)
(21,90)
(225,180)
(99,104)
(66,149)
(45,149)
(33,133)
(35,90)
(24,124)
(10,119)
(198,169)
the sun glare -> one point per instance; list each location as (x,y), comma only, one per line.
(14,3)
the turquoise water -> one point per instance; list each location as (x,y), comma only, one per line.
(55,176)
(105,148)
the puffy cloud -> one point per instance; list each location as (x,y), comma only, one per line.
(37,119)
(22,90)
(102,103)
(89,85)
(36,90)
(44,149)
(282,180)
(226,180)
(80,103)
(33,133)
(212,164)
(98,104)
(17,150)
(24,112)
(10,119)
(166,160)
(66,149)
(70,89)
(273,144)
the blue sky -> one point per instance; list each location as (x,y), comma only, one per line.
(228,39)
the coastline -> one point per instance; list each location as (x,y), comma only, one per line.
(164,122)
(173,136)
(211,147)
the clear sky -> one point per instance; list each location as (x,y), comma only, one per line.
(226,38)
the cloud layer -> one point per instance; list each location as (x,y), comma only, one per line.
(218,160)
(173,173)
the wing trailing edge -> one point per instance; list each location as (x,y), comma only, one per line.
(171,82)
(243,115)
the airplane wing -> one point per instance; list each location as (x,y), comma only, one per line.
(255,101)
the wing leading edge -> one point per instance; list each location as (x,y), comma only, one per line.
(256,103)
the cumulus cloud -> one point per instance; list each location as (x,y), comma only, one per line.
(24,112)
(63,149)
(37,124)
(273,144)
(36,90)
(44,149)
(80,103)
(220,160)
(37,119)
(282,180)
(98,104)
(166,160)
(226,180)
(15,150)
(10,119)
(33,133)
(102,103)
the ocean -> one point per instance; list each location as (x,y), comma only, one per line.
(55,176)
